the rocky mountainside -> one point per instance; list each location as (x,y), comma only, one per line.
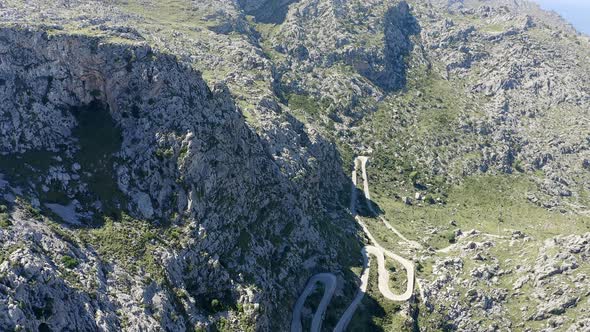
(92,130)
(184,165)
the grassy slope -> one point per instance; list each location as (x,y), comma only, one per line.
(490,204)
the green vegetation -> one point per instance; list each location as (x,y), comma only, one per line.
(312,302)
(183,152)
(451,237)
(347,246)
(216,305)
(70,262)
(4,217)
(176,14)
(520,303)
(419,124)
(30,211)
(495,204)
(518,166)
(222,325)
(214,302)
(414,177)
(248,114)
(61,232)
(267,31)
(128,242)
(163,154)
(428,113)
(397,276)
(5,220)
(494,28)
(304,103)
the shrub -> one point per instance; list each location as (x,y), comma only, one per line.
(30,211)
(216,305)
(163,154)
(419,267)
(451,237)
(414,177)
(5,220)
(518,165)
(223,325)
(305,103)
(183,152)
(69,262)
(61,233)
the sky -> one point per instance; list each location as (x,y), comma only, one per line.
(576,12)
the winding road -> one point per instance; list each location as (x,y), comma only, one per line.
(363,161)
(329,281)
(376,250)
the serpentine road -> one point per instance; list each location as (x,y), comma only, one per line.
(363,161)
(329,279)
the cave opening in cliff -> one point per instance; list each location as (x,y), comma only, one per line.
(83,171)
(99,140)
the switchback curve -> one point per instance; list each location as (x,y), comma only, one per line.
(376,250)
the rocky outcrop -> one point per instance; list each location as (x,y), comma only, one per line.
(472,283)
(173,127)
(532,77)
(267,11)
(399,26)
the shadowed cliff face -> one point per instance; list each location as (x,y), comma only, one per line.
(388,71)
(267,11)
(384,63)
(400,25)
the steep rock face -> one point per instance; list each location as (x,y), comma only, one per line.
(34,290)
(161,107)
(399,25)
(186,157)
(243,66)
(267,11)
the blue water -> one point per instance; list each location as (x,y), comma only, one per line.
(577,12)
